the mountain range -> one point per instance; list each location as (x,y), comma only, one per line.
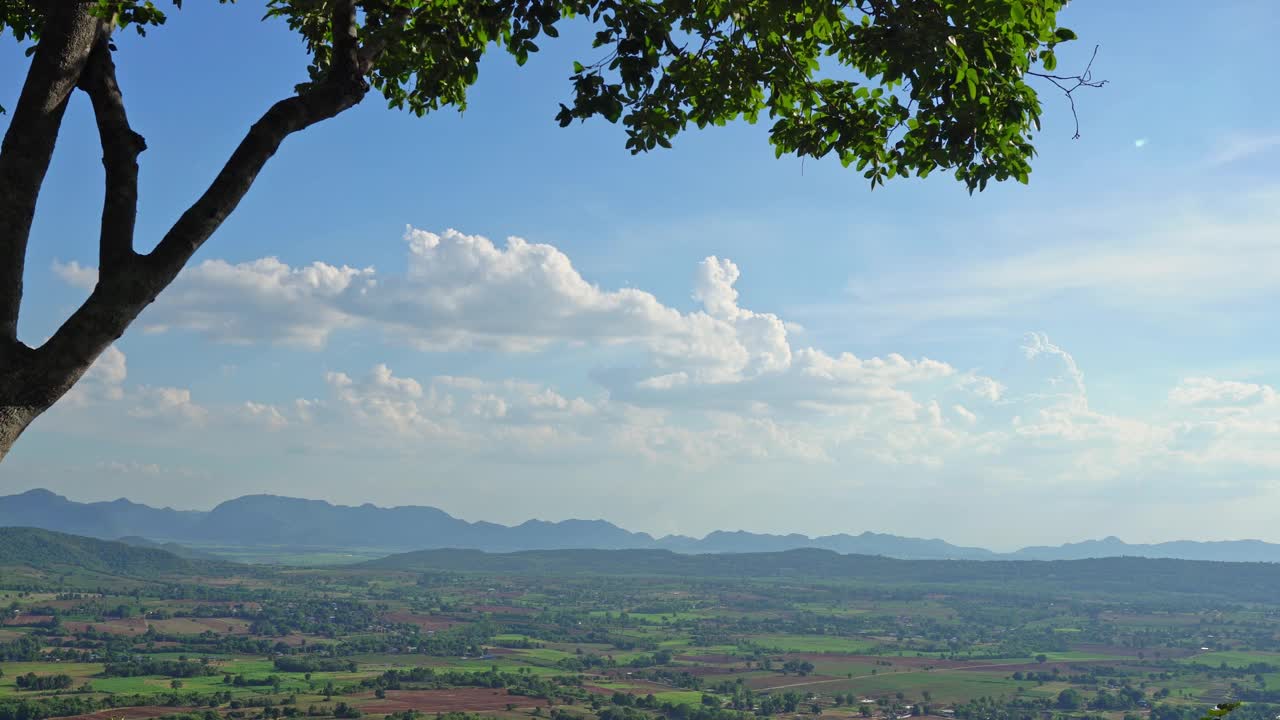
(270,520)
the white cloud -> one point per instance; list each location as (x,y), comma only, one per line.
(104,380)
(76,275)
(1037,345)
(720,386)
(1242,146)
(268,416)
(166,404)
(1209,392)
(462,292)
(260,301)
(1179,256)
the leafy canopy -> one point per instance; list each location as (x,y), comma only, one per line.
(893,87)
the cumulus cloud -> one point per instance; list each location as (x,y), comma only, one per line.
(720,381)
(1071,379)
(462,292)
(266,415)
(166,404)
(260,301)
(1210,392)
(719,384)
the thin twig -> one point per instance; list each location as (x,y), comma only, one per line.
(1063,83)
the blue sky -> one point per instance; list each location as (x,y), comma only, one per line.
(1091,354)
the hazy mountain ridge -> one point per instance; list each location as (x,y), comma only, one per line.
(276,520)
(1123,576)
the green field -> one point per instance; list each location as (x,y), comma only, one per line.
(776,648)
(814,643)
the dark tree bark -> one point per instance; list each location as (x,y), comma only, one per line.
(74,51)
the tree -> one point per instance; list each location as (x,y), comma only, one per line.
(895,87)
(1069,699)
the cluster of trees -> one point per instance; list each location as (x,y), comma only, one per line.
(661,657)
(328,618)
(516,683)
(31,681)
(141,665)
(21,649)
(672,676)
(799,667)
(459,640)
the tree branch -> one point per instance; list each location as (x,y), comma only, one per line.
(122,294)
(68,35)
(345,48)
(1068,84)
(120,149)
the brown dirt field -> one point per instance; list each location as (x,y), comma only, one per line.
(27,619)
(425,622)
(129,713)
(459,699)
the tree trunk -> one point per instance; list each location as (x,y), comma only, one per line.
(74,51)
(19,395)
(13,420)
(68,35)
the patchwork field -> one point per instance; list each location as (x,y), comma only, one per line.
(349,641)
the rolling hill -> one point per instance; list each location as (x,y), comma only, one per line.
(39,549)
(1128,577)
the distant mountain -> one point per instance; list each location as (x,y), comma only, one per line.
(1217,550)
(43,509)
(868,543)
(39,549)
(1127,576)
(270,520)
